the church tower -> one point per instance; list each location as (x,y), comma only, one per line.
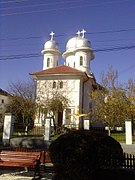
(79,53)
(51,53)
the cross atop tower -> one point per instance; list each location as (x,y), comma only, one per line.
(83,32)
(78,33)
(52,35)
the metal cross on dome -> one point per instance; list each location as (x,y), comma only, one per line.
(52,35)
(83,32)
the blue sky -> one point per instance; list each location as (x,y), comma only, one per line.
(25,26)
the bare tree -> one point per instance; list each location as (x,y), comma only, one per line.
(22,102)
(51,101)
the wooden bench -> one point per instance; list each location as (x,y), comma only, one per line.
(45,158)
(46,162)
(21,159)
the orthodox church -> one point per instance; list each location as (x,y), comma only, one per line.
(73,80)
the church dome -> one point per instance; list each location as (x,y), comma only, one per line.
(51,44)
(78,45)
(77,42)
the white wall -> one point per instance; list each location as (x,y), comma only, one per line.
(71,89)
(4,100)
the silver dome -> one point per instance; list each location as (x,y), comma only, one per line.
(51,44)
(78,42)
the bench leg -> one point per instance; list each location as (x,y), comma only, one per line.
(26,169)
(37,170)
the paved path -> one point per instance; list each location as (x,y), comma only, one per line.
(130,149)
(19,174)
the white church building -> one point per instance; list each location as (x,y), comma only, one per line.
(74,79)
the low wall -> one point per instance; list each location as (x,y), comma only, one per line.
(27,142)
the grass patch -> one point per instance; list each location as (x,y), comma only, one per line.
(120,137)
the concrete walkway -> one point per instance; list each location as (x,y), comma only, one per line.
(19,174)
(130,149)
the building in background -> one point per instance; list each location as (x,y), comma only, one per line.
(4,101)
(74,79)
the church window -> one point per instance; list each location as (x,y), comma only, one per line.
(48,62)
(61,85)
(54,84)
(81,60)
(2,101)
(74,64)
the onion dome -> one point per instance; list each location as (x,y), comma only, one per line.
(79,43)
(51,46)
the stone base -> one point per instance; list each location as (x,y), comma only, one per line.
(6,142)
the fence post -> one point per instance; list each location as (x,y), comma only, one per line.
(8,128)
(128,129)
(86,124)
(47,129)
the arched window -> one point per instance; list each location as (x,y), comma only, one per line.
(81,60)
(54,84)
(61,84)
(48,62)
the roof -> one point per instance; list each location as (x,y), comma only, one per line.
(63,70)
(2,92)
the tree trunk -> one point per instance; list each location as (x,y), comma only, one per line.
(54,123)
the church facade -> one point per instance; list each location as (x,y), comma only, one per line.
(74,79)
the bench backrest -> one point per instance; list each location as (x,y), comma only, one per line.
(14,154)
(29,153)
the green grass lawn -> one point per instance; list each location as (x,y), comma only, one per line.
(120,137)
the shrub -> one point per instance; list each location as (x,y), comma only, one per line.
(77,155)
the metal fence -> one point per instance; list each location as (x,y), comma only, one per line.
(118,135)
(129,161)
(40,131)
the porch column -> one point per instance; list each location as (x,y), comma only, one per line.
(64,117)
